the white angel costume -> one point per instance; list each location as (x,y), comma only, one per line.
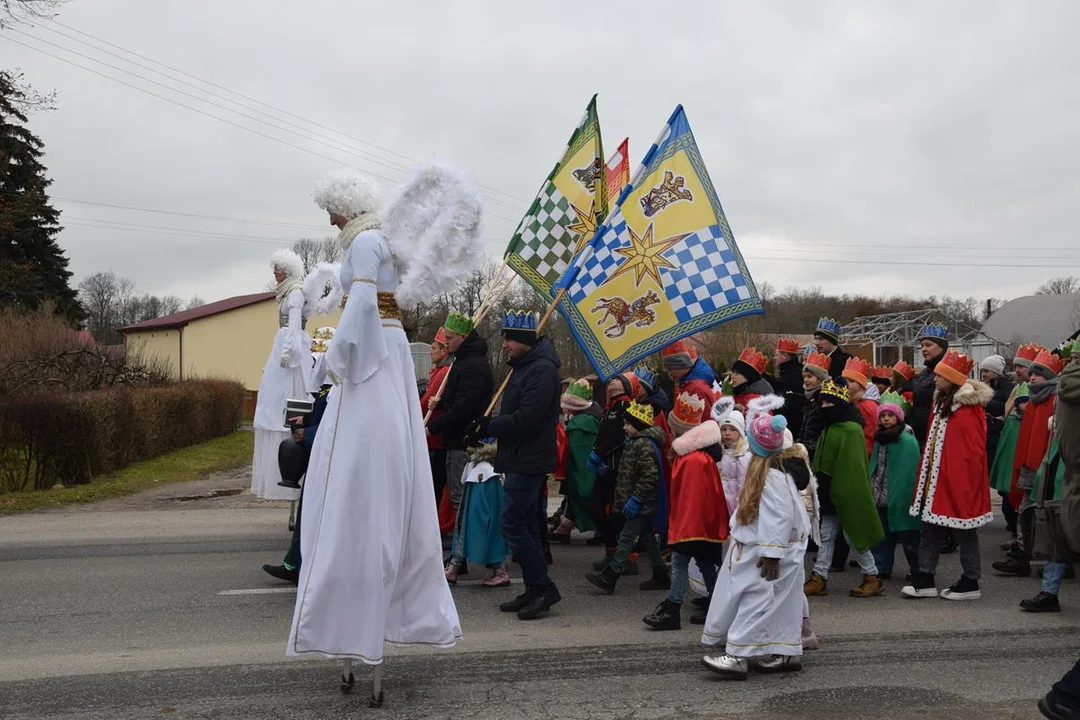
(757,616)
(372,570)
(287,374)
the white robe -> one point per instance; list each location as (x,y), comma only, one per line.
(277,385)
(756,616)
(372,569)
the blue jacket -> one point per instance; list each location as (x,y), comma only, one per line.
(312,425)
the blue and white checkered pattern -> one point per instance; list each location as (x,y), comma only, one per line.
(599,267)
(706,276)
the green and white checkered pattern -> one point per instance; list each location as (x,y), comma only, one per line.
(543,242)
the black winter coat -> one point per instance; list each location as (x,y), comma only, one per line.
(788,385)
(525,426)
(812,424)
(469,386)
(995,414)
(922,401)
(838,360)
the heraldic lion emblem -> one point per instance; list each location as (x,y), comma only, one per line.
(623,313)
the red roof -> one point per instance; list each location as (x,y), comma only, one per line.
(180,319)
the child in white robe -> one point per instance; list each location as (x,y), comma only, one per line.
(758,602)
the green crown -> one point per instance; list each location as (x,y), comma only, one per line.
(459,324)
(895,398)
(581,389)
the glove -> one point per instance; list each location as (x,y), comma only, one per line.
(596,464)
(770,568)
(286,358)
(632,507)
(477,432)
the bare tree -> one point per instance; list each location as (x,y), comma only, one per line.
(194,302)
(14,12)
(1059,286)
(99,294)
(314,251)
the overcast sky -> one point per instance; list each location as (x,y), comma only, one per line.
(861,132)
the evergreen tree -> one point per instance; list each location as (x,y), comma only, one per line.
(33,268)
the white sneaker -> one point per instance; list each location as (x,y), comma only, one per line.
(726,666)
(963,589)
(919,592)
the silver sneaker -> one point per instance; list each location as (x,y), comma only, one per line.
(779,663)
(726,666)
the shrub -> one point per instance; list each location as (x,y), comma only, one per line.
(69,438)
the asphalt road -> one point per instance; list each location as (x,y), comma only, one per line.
(160,609)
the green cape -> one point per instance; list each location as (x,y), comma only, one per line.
(902,460)
(841,454)
(1001,469)
(1052,462)
(581,433)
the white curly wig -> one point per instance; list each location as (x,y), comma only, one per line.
(347,192)
(288,262)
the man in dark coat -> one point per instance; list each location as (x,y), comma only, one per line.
(788,382)
(827,340)
(525,428)
(469,386)
(992,372)
(933,342)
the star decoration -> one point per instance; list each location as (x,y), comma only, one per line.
(645,256)
(585,225)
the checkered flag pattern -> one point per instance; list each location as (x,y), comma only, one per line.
(544,241)
(706,276)
(602,263)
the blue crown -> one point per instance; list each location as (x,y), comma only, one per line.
(934,331)
(828,326)
(521,320)
(646,376)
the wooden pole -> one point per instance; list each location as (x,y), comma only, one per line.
(438,394)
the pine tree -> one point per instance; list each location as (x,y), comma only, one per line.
(33,267)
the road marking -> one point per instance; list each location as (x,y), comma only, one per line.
(259,591)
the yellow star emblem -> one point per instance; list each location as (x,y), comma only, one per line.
(645,256)
(585,225)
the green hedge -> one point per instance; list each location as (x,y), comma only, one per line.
(70,438)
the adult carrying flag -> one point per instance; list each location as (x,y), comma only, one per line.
(566,212)
(663,266)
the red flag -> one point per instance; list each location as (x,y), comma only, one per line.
(618,171)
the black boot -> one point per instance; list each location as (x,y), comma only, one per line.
(701,602)
(665,616)
(700,612)
(522,600)
(540,604)
(1043,602)
(283,573)
(1012,566)
(660,580)
(601,564)
(605,579)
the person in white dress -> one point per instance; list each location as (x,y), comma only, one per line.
(287,375)
(372,568)
(757,606)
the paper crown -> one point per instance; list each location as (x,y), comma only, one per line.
(320,339)
(677,348)
(581,389)
(1026,355)
(829,328)
(458,324)
(904,370)
(440,336)
(754,359)
(818,361)
(642,412)
(646,377)
(834,392)
(858,370)
(955,367)
(933,331)
(1049,361)
(788,345)
(520,320)
(688,409)
(881,372)
(895,398)
(1065,349)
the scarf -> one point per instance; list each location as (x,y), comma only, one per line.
(286,286)
(887,436)
(811,394)
(1041,392)
(356,226)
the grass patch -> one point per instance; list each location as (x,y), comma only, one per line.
(190,463)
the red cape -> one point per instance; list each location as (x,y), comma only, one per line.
(1032,443)
(697,508)
(961,490)
(562,448)
(436,376)
(868,409)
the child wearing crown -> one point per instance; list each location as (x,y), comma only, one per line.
(748,377)
(582,424)
(757,605)
(637,488)
(951,493)
(894,465)
(862,395)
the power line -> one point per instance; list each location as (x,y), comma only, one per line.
(68,220)
(180,233)
(191,215)
(885,264)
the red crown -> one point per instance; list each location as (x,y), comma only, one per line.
(858,370)
(819,360)
(1050,361)
(955,367)
(754,359)
(1028,352)
(788,345)
(688,409)
(677,347)
(881,372)
(440,337)
(904,370)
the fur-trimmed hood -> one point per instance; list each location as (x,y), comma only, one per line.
(697,438)
(973,392)
(484,453)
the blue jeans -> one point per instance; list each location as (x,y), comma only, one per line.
(521,527)
(680,575)
(1053,572)
(829,526)
(885,551)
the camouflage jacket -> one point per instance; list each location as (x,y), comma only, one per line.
(639,471)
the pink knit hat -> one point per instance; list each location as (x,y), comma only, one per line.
(766,434)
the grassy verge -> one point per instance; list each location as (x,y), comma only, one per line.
(192,463)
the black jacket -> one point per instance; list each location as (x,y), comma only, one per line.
(788,385)
(995,413)
(837,360)
(812,424)
(469,386)
(922,400)
(525,426)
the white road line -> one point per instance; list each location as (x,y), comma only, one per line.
(260,591)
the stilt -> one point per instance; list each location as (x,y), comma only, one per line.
(292,515)
(376,700)
(347,677)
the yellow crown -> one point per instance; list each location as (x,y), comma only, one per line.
(834,391)
(640,412)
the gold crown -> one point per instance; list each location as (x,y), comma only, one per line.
(319,346)
(834,390)
(640,412)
